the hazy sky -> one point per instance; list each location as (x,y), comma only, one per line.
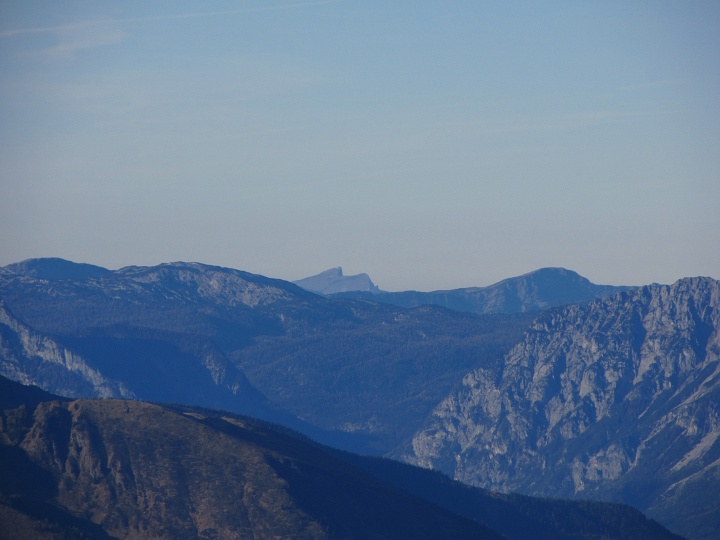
(430,144)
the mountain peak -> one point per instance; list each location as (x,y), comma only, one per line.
(333,281)
(54,268)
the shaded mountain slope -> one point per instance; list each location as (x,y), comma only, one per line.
(124,469)
(126,362)
(381,378)
(516,516)
(535,291)
(14,395)
(618,399)
(141,471)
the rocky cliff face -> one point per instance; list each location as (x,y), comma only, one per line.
(618,399)
(32,358)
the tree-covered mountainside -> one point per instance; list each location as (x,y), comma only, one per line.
(125,469)
(618,399)
(355,373)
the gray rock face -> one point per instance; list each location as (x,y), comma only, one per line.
(618,399)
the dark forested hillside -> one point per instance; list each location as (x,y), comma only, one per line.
(377,378)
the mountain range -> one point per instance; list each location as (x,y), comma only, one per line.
(125,469)
(544,384)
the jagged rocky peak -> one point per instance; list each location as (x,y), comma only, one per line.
(53,268)
(333,281)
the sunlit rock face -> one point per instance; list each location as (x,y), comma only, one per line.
(618,399)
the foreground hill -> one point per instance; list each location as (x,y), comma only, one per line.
(618,399)
(125,469)
(354,373)
(535,291)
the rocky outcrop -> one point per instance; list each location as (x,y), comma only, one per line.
(616,399)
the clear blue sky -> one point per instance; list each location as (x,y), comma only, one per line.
(430,144)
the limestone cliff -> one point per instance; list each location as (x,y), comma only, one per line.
(33,358)
(618,399)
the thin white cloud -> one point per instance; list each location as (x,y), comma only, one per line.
(87,38)
(100,22)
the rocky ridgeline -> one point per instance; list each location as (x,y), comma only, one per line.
(617,399)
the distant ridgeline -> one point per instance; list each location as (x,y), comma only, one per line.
(542,289)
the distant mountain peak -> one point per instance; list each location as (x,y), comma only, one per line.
(53,268)
(334,281)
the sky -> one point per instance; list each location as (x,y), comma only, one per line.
(432,145)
